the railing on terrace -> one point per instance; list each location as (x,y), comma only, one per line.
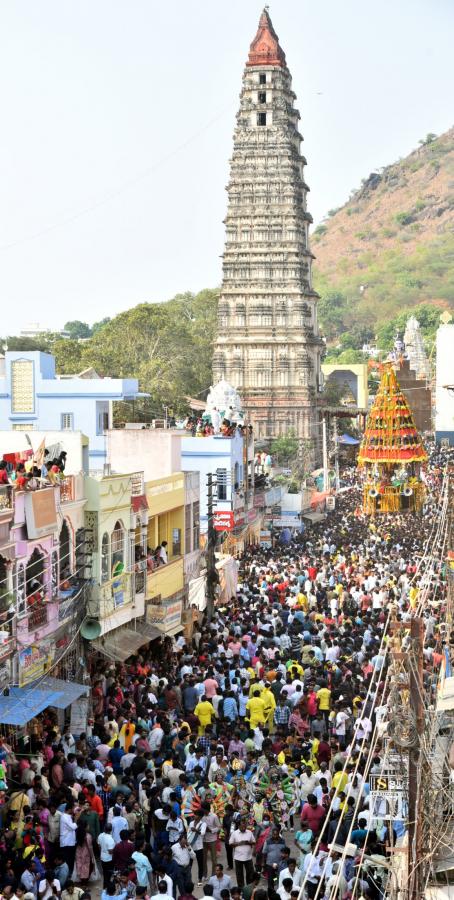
(6,498)
(37,617)
(67,488)
(7,647)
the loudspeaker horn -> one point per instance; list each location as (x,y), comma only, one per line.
(90,629)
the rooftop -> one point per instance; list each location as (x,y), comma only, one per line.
(265,49)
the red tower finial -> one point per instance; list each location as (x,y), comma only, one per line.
(265,49)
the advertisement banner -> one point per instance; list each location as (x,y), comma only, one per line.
(166,616)
(34,661)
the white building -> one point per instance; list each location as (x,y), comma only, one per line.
(444,396)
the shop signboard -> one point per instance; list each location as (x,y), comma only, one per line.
(165,615)
(34,661)
(79,716)
(223,520)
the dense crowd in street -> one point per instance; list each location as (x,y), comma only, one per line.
(237,766)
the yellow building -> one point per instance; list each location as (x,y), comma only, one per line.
(166,522)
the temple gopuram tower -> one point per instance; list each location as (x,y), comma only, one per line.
(268,344)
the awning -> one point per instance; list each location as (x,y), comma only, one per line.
(313,517)
(121,643)
(318,497)
(68,691)
(24,703)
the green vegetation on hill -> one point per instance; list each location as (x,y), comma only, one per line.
(387,253)
(390,248)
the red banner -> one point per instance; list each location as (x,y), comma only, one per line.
(223,520)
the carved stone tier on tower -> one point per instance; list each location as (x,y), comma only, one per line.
(268,345)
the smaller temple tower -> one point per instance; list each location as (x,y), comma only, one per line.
(415,350)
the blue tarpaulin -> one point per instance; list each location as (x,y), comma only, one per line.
(23,703)
(68,691)
(348,439)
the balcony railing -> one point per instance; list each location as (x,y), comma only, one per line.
(37,617)
(6,498)
(67,489)
(7,647)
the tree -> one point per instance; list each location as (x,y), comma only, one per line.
(331,311)
(69,359)
(43,343)
(98,325)
(429,139)
(77,329)
(285,448)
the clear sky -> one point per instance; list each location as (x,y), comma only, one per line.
(117,122)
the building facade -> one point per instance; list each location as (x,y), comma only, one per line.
(444,391)
(34,398)
(268,345)
(42,583)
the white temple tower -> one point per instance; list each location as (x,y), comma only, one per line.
(415,350)
(268,345)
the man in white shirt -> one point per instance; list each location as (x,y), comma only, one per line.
(163,553)
(48,887)
(162,892)
(106,844)
(291,871)
(161,876)
(119,823)
(242,841)
(68,828)
(183,856)
(311,870)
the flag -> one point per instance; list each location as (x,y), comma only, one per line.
(38,456)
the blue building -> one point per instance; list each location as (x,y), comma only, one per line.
(34,398)
(225,459)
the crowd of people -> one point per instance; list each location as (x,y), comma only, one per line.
(29,474)
(237,766)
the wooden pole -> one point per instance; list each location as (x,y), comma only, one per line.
(414,762)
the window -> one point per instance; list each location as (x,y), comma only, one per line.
(262,78)
(22,386)
(222,483)
(195,525)
(105,567)
(187,529)
(176,541)
(103,422)
(65,550)
(118,550)
(262,97)
(261,119)
(67,421)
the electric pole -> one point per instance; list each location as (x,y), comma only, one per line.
(325,454)
(212,577)
(336,454)
(415,787)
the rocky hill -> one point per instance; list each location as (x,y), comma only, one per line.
(391,246)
